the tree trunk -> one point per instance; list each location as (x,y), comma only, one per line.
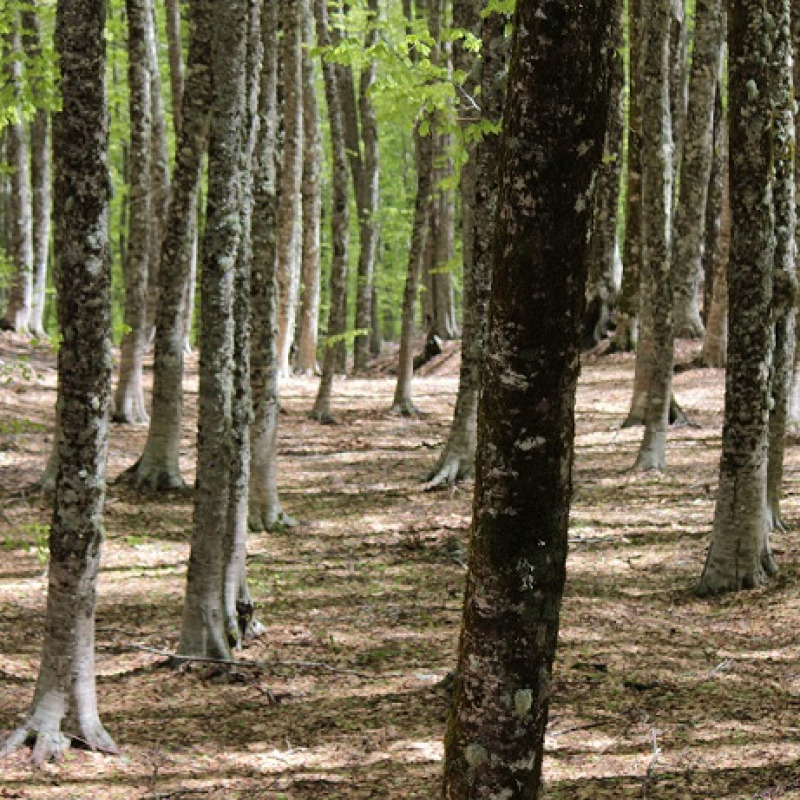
(696,161)
(553,136)
(290,207)
(65,697)
(457,458)
(657,177)
(739,556)
(40,180)
(129,404)
(159,468)
(205,630)
(20,301)
(176,70)
(339,222)
(308,320)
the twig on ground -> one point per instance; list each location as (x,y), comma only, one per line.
(574,728)
(234,662)
(721,666)
(648,777)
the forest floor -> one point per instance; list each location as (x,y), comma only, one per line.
(657,694)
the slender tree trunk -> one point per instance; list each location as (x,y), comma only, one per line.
(65,700)
(739,556)
(457,458)
(129,403)
(265,512)
(553,136)
(290,207)
(657,177)
(158,468)
(205,630)
(20,301)
(176,69)
(308,320)
(40,180)
(339,222)
(696,162)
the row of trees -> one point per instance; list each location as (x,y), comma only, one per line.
(562,113)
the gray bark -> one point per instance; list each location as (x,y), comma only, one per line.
(159,468)
(65,700)
(265,512)
(176,68)
(696,161)
(739,555)
(553,136)
(657,181)
(129,403)
(205,629)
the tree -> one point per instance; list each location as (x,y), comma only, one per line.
(206,628)
(740,556)
(65,696)
(553,134)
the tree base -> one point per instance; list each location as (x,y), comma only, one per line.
(405,408)
(449,470)
(270,520)
(153,478)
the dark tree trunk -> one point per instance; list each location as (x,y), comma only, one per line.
(205,629)
(65,697)
(553,135)
(739,556)
(158,468)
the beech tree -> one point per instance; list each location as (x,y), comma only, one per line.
(553,133)
(64,705)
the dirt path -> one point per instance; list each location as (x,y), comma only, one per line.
(657,694)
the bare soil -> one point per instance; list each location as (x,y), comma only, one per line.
(658,694)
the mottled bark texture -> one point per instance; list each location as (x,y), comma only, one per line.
(479,202)
(265,512)
(176,67)
(603,281)
(739,555)
(20,300)
(784,293)
(696,160)
(290,206)
(204,631)
(129,403)
(41,178)
(553,140)
(340,217)
(310,269)
(657,182)
(65,703)
(159,468)
(626,335)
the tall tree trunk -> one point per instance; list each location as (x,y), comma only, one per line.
(158,467)
(457,458)
(657,182)
(20,301)
(739,556)
(176,69)
(553,136)
(696,162)
(204,631)
(308,319)
(265,512)
(129,403)
(603,281)
(40,180)
(339,222)
(290,207)
(65,697)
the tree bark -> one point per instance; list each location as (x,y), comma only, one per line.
(129,403)
(176,68)
(553,136)
(739,556)
(65,697)
(159,468)
(339,222)
(205,630)
(657,183)
(308,320)
(696,161)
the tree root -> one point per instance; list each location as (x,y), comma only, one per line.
(448,472)
(50,744)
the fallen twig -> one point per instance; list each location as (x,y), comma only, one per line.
(648,777)
(233,662)
(574,728)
